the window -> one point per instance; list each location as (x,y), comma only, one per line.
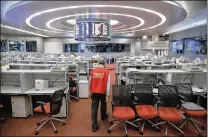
(31,46)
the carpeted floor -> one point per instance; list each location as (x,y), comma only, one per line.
(79,124)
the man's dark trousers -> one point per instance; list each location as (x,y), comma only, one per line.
(96,98)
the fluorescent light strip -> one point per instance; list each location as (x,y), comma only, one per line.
(200,23)
(117,14)
(21,30)
(28,20)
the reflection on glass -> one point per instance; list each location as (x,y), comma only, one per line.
(4,46)
(17,45)
(31,46)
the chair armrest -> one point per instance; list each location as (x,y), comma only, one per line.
(202,95)
(181,97)
(40,102)
(156,97)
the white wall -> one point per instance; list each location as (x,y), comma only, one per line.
(53,47)
(39,40)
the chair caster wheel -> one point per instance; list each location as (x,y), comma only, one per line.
(109,131)
(203,127)
(36,133)
(200,135)
(141,132)
(64,124)
(126,135)
(38,124)
(111,122)
(56,131)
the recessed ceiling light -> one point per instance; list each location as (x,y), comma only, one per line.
(200,23)
(113,22)
(73,22)
(21,30)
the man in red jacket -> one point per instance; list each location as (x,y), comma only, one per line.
(99,88)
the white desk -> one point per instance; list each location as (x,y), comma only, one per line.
(49,91)
(30,71)
(11,90)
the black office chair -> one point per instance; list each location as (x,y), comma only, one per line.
(144,102)
(121,106)
(51,108)
(191,109)
(168,107)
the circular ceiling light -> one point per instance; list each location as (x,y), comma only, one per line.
(73,22)
(28,20)
(48,24)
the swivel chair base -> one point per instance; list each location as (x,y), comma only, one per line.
(143,124)
(74,97)
(123,122)
(46,120)
(171,124)
(192,121)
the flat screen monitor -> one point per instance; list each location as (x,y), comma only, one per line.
(193,46)
(177,46)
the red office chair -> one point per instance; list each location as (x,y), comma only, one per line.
(51,108)
(144,102)
(168,107)
(121,106)
(191,109)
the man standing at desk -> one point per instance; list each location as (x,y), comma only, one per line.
(99,88)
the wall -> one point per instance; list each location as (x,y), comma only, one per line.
(26,38)
(53,47)
(201,30)
(197,31)
(143,48)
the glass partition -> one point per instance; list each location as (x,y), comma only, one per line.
(17,45)
(31,46)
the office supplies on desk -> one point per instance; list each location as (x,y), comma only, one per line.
(41,84)
(58,69)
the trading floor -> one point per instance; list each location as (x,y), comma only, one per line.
(79,123)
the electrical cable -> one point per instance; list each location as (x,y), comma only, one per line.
(57,79)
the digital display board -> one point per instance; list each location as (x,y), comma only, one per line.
(92,30)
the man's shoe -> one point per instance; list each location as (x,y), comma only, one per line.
(95,129)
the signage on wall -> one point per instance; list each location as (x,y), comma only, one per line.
(92,30)
(159,44)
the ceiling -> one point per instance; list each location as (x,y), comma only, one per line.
(49,18)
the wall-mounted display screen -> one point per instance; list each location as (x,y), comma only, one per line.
(17,45)
(177,46)
(31,46)
(4,46)
(194,46)
(97,47)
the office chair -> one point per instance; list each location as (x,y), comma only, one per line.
(2,120)
(121,106)
(191,109)
(168,107)
(51,108)
(144,101)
